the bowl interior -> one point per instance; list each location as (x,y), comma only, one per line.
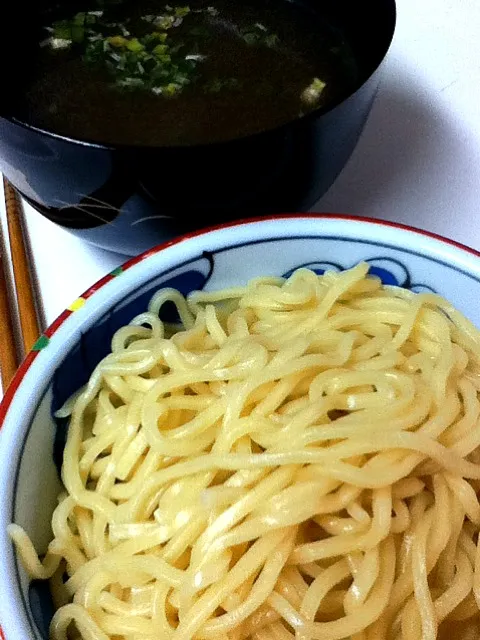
(32,440)
(367,28)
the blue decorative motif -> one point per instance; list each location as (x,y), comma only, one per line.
(41,605)
(390,271)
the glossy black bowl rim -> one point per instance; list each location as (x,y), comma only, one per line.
(312,115)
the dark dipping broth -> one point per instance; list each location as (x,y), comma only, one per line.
(149,73)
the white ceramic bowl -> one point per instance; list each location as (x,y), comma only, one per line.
(64,357)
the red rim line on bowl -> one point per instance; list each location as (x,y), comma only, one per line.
(51,330)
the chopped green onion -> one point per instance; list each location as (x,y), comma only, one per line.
(130,82)
(150,61)
(164,22)
(117,41)
(272,40)
(171,89)
(250,37)
(162,37)
(57,43)
(134,45)
(160,49)
(312,93)
(181,12)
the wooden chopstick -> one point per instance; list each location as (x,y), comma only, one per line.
(9,360)
(30,329)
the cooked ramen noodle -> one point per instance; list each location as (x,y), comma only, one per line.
(299,459)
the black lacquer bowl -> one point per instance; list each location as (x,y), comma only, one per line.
(131,198)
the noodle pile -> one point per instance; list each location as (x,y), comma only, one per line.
(300,459)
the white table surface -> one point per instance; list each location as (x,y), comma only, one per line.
(417,162)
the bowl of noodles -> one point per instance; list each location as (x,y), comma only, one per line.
(267,430)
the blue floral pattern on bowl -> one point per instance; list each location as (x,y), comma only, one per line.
(391,272)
